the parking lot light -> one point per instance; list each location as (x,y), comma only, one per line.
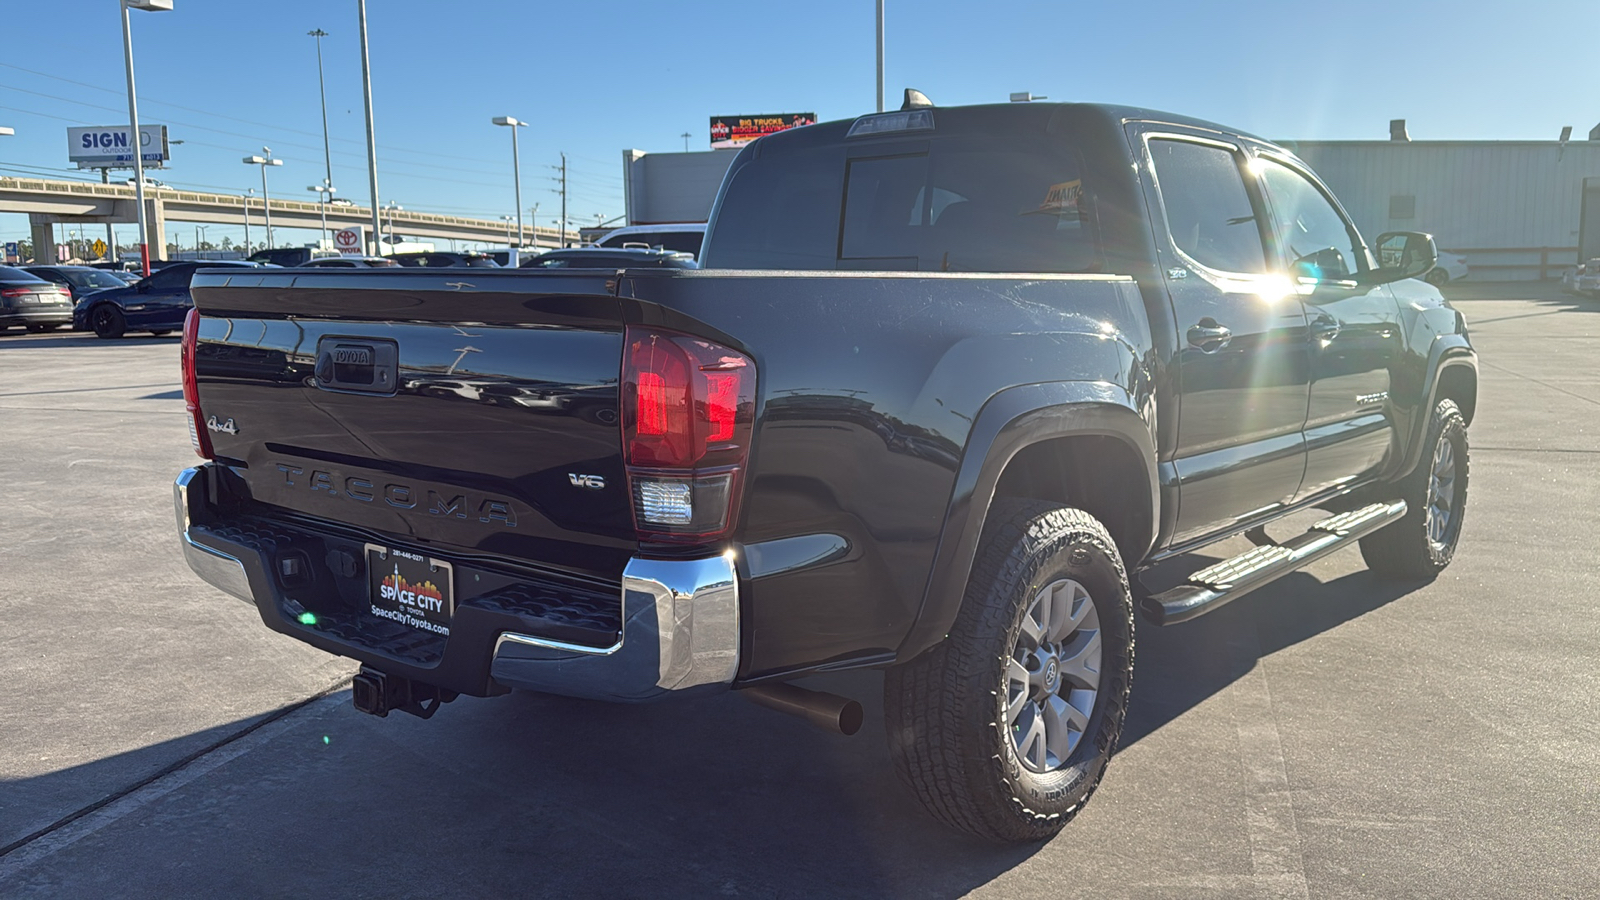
(266,198)
(325,194)
(391,206)
(133,123)
(516,167)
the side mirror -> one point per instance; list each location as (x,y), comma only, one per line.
(1404,254)
(142,285)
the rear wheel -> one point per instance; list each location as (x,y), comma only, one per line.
(161,332)
(1005,728)
(108,322)
(1437,277)
(1423,542)
(41,329)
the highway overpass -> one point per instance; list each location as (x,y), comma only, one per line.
(49,201)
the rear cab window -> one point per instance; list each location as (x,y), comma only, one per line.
(955,201)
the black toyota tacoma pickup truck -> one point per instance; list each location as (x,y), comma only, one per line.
(952,385)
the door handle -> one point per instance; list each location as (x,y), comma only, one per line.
(1208,336)
(1325,328)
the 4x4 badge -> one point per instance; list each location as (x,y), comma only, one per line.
(221,427)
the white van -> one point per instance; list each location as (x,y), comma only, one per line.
(683,238)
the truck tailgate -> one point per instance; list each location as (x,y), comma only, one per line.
(470,410)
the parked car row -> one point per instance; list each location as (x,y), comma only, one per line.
(156,304)
(44,298)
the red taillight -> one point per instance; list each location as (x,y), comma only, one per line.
(198,435)
(687,408)
(17,292)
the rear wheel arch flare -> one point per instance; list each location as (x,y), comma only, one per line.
(1097,473)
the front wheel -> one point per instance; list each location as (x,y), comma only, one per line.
(108,322)
(1004,729)
(1423,542)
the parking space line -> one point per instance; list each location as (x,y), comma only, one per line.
(1275,858)
(1490,365)
(67,831)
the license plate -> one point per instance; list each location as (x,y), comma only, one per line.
(414,590)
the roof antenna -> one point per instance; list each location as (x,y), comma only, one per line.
(916,99)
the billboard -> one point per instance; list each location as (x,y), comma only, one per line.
(111,146)
(736,131)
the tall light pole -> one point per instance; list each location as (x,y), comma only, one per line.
(372,135)
(516,165)
(199,240)
(266,198)
(324,197)
(133,121)
(880,55)
(507,220)
(322,88)
(249,192)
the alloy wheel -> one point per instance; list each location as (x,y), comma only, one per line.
(1053,675)
(1441,492)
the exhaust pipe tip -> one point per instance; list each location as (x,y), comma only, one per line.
(829,712)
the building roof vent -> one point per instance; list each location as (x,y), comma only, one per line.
(1594,133)
(1397,130)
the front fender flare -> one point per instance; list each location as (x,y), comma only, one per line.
(1010,421)
(1448,350)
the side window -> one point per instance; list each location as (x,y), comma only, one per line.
(882,206)
(1309,228)
(1208,211)
(169,278)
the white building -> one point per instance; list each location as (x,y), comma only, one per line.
(1513,208)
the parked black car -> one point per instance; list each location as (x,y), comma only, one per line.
(439,260)
(28,300)
(156,304)
(611,258)
(80,281)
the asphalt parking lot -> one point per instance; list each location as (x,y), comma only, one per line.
(1329,736)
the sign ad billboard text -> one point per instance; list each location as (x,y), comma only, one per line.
(736,131)
(111,146)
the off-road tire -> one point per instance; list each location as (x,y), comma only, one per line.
(108,322)
(1404,549)
(945,710)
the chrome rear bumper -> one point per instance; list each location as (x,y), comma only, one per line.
(680,623)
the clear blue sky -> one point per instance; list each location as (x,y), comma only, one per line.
(229,76)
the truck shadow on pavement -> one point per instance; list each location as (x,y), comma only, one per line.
(533,795)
